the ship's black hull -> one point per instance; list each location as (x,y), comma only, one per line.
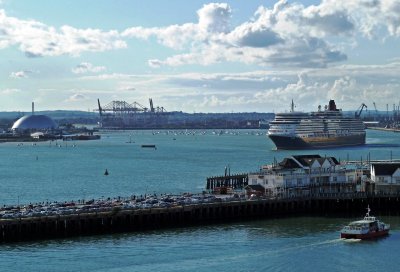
(285,142)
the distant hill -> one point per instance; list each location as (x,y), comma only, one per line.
(58,114)
(176,119)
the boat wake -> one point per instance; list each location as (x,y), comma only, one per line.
(350,240)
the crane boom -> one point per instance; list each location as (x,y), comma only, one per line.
(376,110)
(100,109)
(357,114)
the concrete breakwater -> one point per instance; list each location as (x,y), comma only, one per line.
(129,220)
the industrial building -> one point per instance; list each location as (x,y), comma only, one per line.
(29,123)
(32,128)
(34,123)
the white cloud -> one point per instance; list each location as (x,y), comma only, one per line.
(10,91)
(125,87)
(264,90)
(78,97)
(20,74)
(36,39)
(215,17)
(86,67)
(287,34)
(347,91)
(268,39)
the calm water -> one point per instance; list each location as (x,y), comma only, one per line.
(32,173)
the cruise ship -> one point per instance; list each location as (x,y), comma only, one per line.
(321,129)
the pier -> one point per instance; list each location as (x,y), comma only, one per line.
(119,219)
(238,181)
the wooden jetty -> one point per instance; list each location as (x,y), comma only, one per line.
(238,181)
(128,220)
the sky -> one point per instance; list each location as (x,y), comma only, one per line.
(199,56)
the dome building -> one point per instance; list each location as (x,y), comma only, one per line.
(34,123)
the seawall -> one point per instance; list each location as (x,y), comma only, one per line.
(130,220)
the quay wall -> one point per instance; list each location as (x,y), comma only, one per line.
(126,220)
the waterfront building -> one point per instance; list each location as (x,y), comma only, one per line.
(386,177)
(304,175)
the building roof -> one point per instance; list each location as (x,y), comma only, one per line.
(334,160)
(289,163)
(39,122)
(306,160)
(385,169)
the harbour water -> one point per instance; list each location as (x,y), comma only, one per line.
(180,163)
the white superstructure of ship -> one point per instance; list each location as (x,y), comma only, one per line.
(320,129)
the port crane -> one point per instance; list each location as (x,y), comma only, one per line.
(376,110)
(155,109)
(358,112)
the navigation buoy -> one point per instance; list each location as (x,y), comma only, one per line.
(106,173)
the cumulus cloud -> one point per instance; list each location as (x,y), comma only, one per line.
(215,17)
(286,34)
(271,38)
(86,67)
(348,92)
(36,39)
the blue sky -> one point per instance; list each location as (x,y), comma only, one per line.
(199,56)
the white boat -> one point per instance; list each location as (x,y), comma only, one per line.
(367,228)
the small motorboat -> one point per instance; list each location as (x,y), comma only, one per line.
(367,228)
(149,146)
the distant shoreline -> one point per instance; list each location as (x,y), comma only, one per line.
(385,129)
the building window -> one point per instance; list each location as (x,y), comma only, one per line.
(299,181)
(381,179)
(350,178)
(334,179)
(253,181)
(266,182)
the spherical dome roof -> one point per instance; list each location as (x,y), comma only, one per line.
(34,122)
